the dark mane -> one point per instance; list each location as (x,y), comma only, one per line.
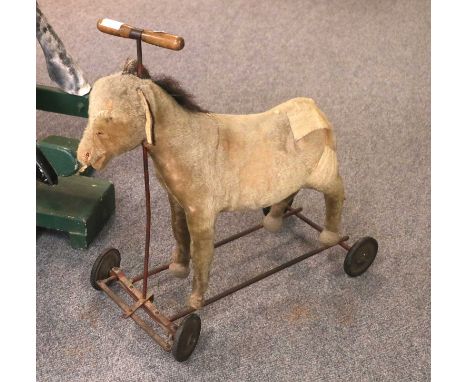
(168,84)
(182,97)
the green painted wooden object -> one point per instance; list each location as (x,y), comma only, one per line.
(61,153)
(77,204)
(56,101)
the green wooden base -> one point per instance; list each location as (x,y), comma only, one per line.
(78,205)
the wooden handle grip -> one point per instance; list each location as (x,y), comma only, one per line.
(162,39)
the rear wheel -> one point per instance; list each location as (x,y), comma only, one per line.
(361,256)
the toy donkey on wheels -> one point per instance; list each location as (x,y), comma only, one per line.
(210,163)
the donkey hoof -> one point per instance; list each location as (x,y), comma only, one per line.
(329,238)
(272,224)
(196,301)
(179,270)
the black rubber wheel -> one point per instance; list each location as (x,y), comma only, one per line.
(186,337)
(360,256)
(107,260)
(266,210)
(45,173)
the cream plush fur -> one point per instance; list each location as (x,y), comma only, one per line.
(210,163)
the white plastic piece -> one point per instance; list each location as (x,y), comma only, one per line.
(111,24)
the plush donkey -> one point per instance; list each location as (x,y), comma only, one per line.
(210,163)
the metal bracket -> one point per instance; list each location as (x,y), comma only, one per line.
(138,305)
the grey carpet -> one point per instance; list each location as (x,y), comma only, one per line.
(367,65)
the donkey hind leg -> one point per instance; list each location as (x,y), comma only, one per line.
(334,198)
(273,221)
(201,227)
(181,255)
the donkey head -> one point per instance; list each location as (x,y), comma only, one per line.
(120,118)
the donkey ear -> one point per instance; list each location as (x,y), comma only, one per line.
(149,117)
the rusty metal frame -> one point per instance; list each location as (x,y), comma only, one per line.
(167,323)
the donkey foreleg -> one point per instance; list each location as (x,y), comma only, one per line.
(181,255)
(201,228)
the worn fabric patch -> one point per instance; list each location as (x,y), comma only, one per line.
(304,116)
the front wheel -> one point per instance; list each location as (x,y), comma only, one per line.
(107,260)
(186,337)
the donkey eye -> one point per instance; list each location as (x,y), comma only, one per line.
(99,133)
